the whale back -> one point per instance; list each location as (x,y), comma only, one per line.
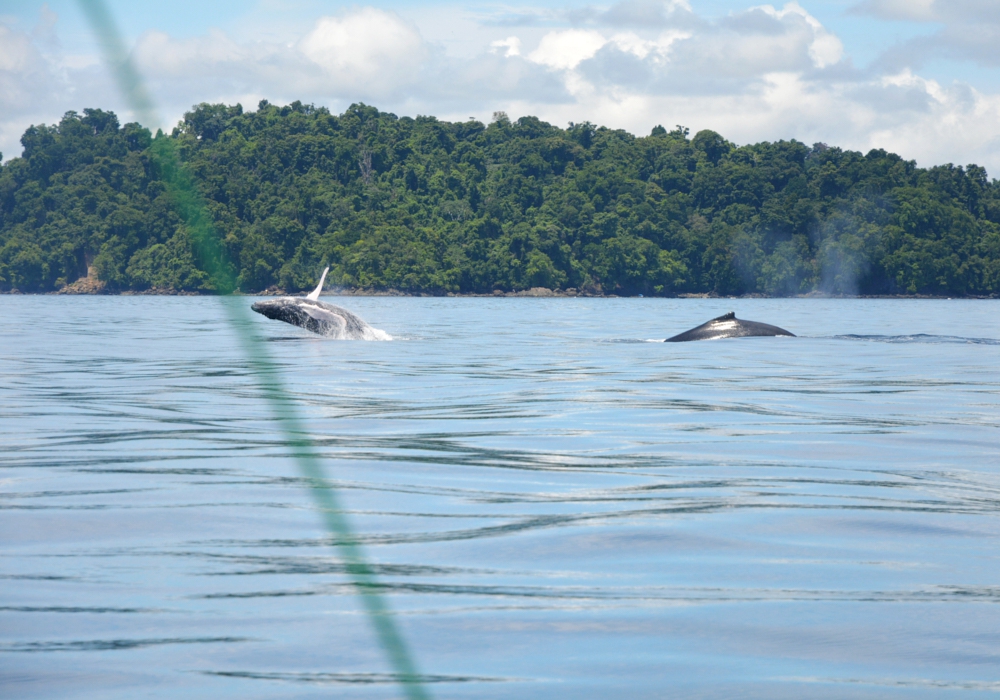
(728,326)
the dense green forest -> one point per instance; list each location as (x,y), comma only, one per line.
(422,205)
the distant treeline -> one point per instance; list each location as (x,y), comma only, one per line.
(422,205)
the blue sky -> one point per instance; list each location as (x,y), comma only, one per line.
(918,77)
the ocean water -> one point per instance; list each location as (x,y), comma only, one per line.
(555,506)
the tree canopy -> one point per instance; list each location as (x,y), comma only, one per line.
(423,205)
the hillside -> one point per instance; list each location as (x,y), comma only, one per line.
(422,205)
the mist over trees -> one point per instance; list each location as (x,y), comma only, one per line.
(422,205)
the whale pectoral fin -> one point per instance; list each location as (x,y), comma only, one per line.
(322,314)
(314,294)
(327,317)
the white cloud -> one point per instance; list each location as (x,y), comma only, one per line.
(366,45)
(948,125)
(34,87)
(825,48)
(767,72)
(641,14)
(15,50)
(914,10)
(567,48)
(160,55)
(967,30)
(765,38)
(511,46)
(657,48)
(906,79)
(950,11)
(366,54)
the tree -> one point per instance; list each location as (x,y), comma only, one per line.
(424,205)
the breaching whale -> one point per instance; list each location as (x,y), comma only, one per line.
(728,326)
(319,317)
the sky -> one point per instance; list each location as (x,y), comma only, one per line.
(916,77)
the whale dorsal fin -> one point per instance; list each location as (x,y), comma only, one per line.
(314,295)
(731,316)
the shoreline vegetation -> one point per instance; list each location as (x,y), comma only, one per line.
(423,207)
(535,292)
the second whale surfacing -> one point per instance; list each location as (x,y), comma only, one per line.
(319,317)
(728,326)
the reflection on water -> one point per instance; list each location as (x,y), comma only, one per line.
(554,505)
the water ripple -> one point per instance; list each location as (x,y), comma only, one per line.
(356,678)
(112,644)
(546,497)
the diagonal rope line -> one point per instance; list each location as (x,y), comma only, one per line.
(212,259)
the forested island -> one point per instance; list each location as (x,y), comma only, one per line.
(427,206)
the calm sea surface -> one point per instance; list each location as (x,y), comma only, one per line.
(556,508)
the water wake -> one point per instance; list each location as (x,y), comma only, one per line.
(918,338)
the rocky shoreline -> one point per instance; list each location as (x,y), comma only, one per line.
(91,287)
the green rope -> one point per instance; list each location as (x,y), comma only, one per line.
(213,260)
